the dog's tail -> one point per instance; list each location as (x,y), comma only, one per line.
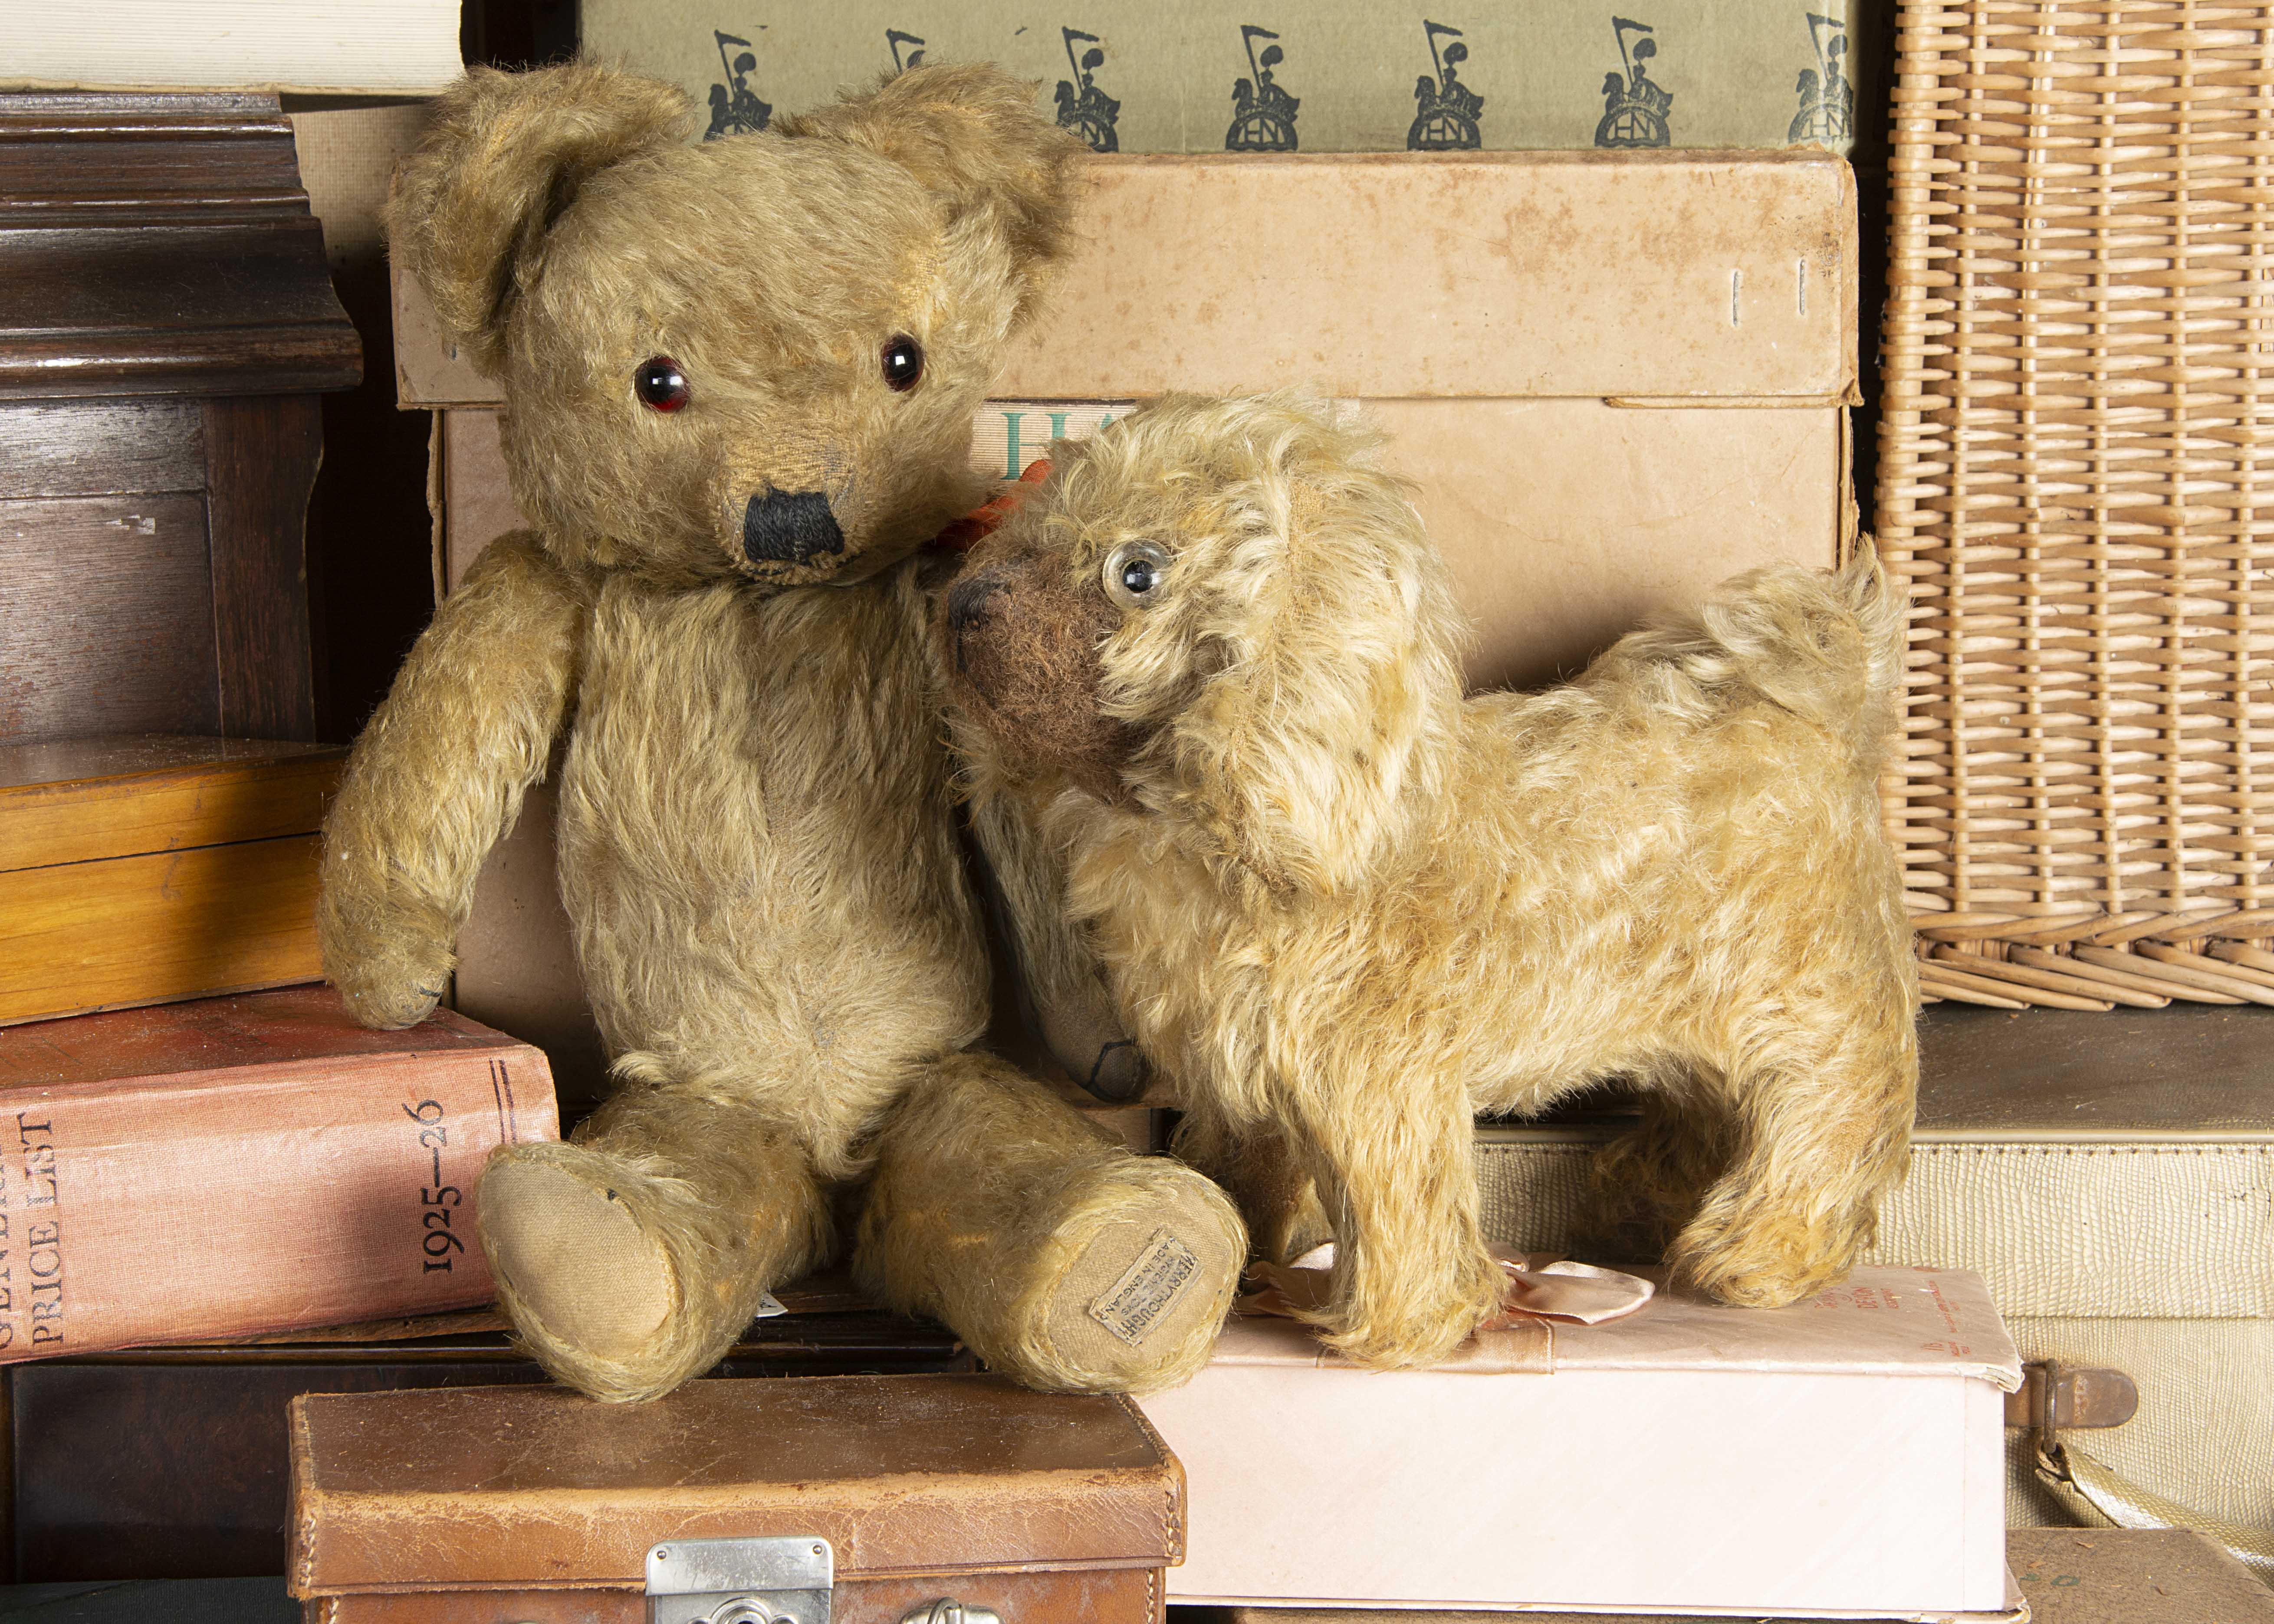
(1826,646)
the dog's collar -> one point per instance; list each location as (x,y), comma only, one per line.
(967,531)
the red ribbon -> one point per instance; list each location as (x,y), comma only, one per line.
(981,521)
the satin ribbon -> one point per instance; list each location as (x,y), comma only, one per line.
(966,532)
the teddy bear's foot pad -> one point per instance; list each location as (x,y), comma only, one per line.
(1138,1308)
(573,1257)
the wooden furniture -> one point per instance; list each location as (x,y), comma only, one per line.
(118,855)
(168,327)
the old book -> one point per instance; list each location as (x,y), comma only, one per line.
(1838,1458)
(2067,1575)
(1145,76)
(332,47)
(245,1164)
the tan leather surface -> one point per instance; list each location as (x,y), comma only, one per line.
(1110,1595)
(520,1487)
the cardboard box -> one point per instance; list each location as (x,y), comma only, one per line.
(1614,380)
(144,869)
(1841,1458)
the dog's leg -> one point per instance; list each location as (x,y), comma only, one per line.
(1822,1138)
(1260,1171)
(1060,1256)
(1646,1185)
(1395,1171)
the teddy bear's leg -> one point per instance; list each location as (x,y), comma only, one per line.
(1822,1136)
(1396,1169)
(1061,1257)
(630,1258)
(1258,1168)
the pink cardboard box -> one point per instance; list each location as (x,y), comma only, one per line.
(1841,1458)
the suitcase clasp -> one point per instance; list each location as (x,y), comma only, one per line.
(774,1580)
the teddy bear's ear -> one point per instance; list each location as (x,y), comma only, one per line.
(969,132)
(501,160)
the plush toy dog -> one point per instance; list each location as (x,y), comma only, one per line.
(738,380)
(1347,908)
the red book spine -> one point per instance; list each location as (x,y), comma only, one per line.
(275,1197)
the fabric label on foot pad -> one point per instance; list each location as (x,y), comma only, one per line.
(1147,1288)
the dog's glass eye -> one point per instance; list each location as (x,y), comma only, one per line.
(1135,572)
(660,384)
(903,362)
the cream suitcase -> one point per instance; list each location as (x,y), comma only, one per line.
(2112,1177)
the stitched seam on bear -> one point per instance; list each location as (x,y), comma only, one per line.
(1147,1288)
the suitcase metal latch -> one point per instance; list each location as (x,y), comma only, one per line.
(767,1580)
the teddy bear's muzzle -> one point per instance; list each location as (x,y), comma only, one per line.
(789,527)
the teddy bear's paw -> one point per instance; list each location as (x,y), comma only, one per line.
(592,1291)
(1146,1258)
(389,984)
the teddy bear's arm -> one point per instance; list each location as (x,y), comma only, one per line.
(438,776)
(1063,981)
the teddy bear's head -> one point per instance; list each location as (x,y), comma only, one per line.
(758,355)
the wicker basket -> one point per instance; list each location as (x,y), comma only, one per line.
(2076,484)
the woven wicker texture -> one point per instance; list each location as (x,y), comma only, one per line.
(2075,485)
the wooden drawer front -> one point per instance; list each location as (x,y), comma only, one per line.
(128,930)
(101,448)
(109,618)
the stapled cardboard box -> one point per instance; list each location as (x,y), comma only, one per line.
(1613,378)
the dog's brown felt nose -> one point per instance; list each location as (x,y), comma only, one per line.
(971,603)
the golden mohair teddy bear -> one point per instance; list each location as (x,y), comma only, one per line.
(738,380)
(1348,910)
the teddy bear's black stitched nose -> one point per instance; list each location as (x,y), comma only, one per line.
(789,527)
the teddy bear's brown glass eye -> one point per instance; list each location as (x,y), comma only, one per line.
(1134,574)
(659,383)
(903,363)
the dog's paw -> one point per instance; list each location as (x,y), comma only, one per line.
(1384,1322)
(1765,1259)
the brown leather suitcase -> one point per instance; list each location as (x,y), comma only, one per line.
(170,1462)
(855,1499)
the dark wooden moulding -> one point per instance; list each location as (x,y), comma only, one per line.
(166,323)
